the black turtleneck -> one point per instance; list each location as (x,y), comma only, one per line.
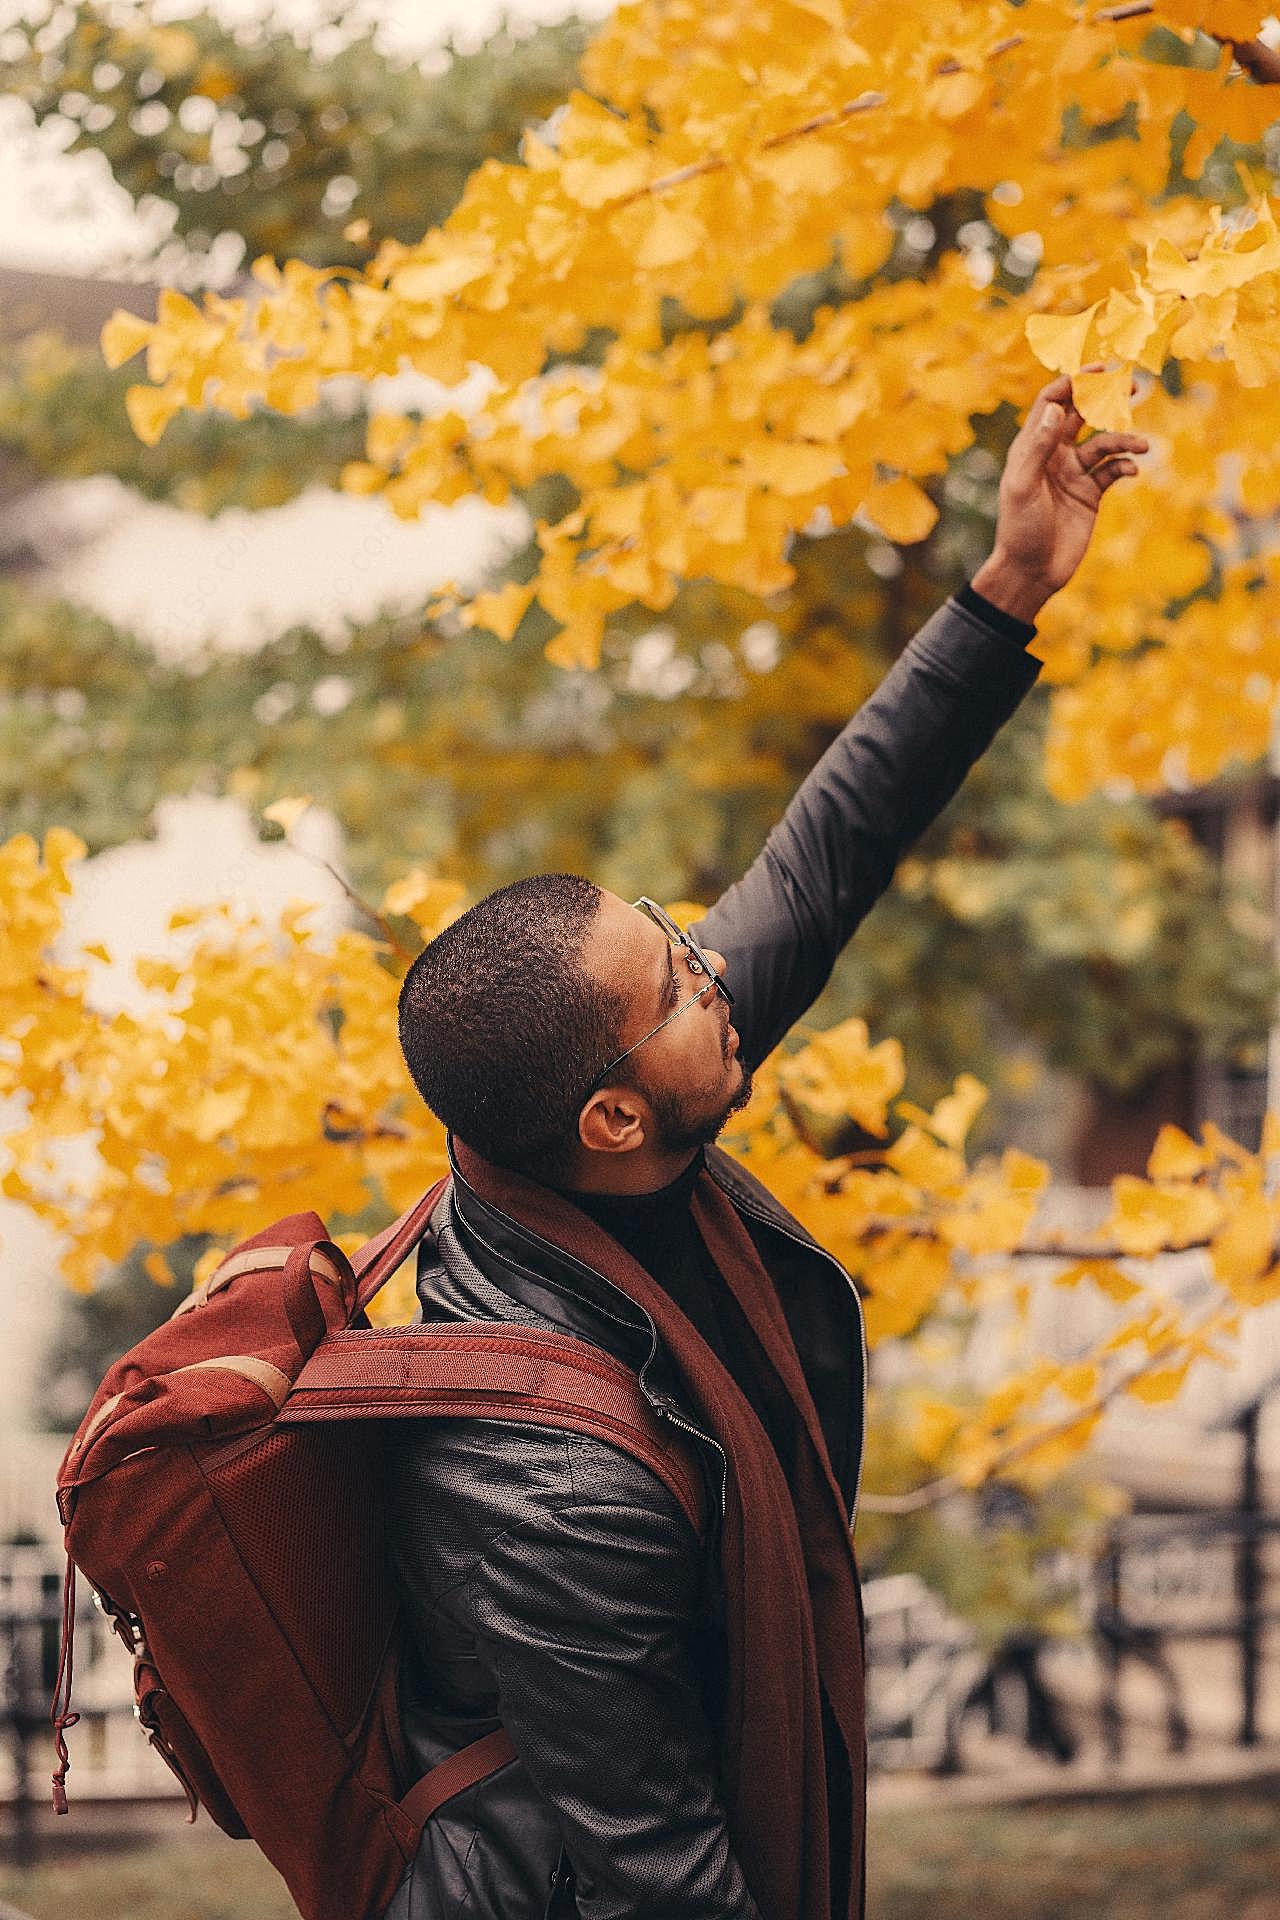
(657,1229)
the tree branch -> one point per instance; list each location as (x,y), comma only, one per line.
(1254,55)
(933,1491)
(336,1127)
(876,1225)
(370,913)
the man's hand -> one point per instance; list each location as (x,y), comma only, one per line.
(1050,492)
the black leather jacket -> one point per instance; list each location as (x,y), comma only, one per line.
(553,1584)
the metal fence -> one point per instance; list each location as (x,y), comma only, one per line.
(1168,1582)
(1165,1582)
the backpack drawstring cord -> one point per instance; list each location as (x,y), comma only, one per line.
(60,1713)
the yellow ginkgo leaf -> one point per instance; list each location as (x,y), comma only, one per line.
(933,1424)
(1059,340)
(578,643)
(1175,1156)
(1158,1384)
(501,611)
(60,847)
(909,1276)
(1104,399)
(214,1112)
(288,811)
(1148,1215)
(669,236)
(1106,1276)
(956,1112)
(157,1268)
(791,467)
(933,1168)
(1079,1383)
(424,898)
(436,278)
(902,510)
(150,409)
(1043,1458)
(603,156)
(1246,1245)
(123,335)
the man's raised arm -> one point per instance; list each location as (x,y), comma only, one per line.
(908,748)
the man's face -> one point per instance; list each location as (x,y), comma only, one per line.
(689,1073)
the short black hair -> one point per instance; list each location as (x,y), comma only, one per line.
(501,1027)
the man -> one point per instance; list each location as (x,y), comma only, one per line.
(686,1714)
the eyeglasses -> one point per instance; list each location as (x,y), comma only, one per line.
(697,961)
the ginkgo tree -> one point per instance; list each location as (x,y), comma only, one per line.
(619,283)
(1131,957)
(711,158)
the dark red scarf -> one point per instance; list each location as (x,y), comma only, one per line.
(790,1583)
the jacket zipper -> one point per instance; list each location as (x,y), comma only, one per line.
(660,1402)
(811,1246)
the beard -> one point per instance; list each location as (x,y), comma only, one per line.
(683,1126)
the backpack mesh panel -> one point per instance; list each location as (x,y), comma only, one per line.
(304,1507)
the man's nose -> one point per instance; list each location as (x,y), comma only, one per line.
(717,960)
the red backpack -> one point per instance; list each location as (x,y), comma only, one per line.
(223,1498)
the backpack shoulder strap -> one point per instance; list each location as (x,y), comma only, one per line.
(378,1259)
(493,1370)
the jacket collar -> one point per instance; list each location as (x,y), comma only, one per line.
(545,1277)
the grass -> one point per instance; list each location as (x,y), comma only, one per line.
(1213,1855)
(125,1878)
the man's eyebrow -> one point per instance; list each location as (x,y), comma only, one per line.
(670,986)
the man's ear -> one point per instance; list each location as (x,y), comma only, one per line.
(614,1120)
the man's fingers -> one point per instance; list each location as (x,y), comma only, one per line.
(1105,446)
(1107,472)
(1055,393)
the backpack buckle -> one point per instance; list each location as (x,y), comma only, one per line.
(121,1623)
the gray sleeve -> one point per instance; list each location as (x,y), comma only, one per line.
(582,1616)
(878,786)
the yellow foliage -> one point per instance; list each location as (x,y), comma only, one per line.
(710,159)
(934,1423)
(1159,1384)
(1079,1382)
(1106,1276)
(906,1279)
(839,1074)
(999,1204)
(1175,1156)
(1152,1214)
(501,611)
(931,1168)
(431,902)
(954,1114)
(1048,1451)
